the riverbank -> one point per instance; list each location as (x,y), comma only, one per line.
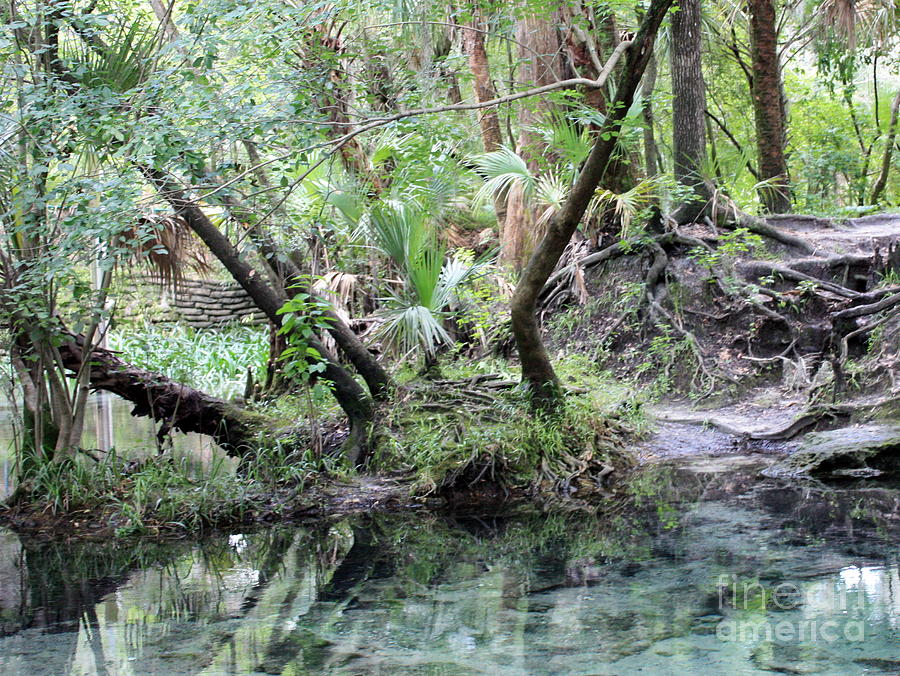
(682,575)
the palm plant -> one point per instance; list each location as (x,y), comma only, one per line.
(546,192)
(414,315)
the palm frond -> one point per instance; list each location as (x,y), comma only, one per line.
(423,274)
(409,327)
(166,245)
(626,205)
(501,169)
(550,193)
(456,272)
(567,138)
(120,61)
(413,316)
(398,231)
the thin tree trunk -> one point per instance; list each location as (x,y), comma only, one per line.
(350,395)
(163,12)
(474,47)
(590,39)
(651,150)
(540,64)
(881,181)
(688,106)
(768,107)
(537,371)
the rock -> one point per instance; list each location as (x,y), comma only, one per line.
(852,452)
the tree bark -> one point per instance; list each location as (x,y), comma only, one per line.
(652,163)
(491,136)
(376,377)
(688,106)
(768,107)
(881,181)
(354,401)
(537,371)
(163,12)
(539,64)
(587,48)
(474,47)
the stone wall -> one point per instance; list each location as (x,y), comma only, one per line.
(202,303)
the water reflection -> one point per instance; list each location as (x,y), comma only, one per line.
(109,424)
(699,572)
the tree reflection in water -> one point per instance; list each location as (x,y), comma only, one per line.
(635,584)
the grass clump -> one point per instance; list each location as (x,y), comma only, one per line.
(480,431)
(165,493)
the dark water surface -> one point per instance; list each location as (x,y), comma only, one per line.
(706,570)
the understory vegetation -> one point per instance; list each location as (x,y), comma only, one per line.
(478,239)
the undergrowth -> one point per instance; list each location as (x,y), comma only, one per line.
(480,430)
(164,493)
(212,360)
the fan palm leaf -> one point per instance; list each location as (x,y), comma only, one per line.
(413,316)
(120,61)
(500,170)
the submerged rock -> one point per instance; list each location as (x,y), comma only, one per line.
(851,452)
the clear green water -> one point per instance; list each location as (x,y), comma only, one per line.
(709,570)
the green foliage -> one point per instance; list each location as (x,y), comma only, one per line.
(414,315)
(502,169)
(668,361)
(732,245)
(211,360)
(165,494)
(453,440)
(303,318)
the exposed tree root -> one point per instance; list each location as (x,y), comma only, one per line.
(868,309)
(726,213)
(818,412)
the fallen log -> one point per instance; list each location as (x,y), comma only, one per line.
(173,404)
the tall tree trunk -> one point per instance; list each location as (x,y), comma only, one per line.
(652,162)
(537,371)
(768,107)
(354,401)
(447,74)
(540,64)
(881,181)
(588,47)
(688,106)
(488,120)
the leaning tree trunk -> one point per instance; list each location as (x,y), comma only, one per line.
(352,398)
(768,107)
(537,371)
(881,181)
(688,106)
(292,280)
